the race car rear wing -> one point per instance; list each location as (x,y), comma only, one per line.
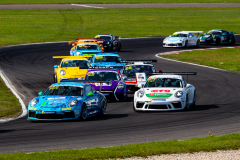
(175,73)
(87,81)
(132,61)
(141,78)
(69,43)
(86,39)
(75,57)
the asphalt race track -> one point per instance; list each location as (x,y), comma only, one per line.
(30,69)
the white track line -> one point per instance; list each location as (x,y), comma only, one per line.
(14,91)
(85,6)
(177,52)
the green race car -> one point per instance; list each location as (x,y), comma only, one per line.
(218,36)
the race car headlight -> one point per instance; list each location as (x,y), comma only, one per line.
(33,103)
(164,39)
(107,42)
(62,72)
(78,53)
(181,40)
(120,86)
(140,94)
(178,94)
(72,103)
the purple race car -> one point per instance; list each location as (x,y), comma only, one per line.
(115,89)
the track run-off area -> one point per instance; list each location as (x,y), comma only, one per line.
(30,69)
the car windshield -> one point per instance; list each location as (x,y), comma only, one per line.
(106,38)
(75,63)
(163,82)
(102,76)
(62,90)
(179,35)
(130,71)
(88,47)
(107,59)
(213,33)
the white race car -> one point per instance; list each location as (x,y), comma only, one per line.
(164,93)
(182,39)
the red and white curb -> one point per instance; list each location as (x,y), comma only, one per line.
(181,51)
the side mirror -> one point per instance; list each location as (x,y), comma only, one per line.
(55,66)
(170,36)
(124,78)
(205,33)
(159,71)
(90,94)
(140,85)
(102,49)
(114,39)
(40,93)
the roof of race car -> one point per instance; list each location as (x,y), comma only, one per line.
(166,76)
(80,84)
(186,32)
(106,54)
(139,63)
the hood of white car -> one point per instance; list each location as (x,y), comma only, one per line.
(175,39)
(160,92)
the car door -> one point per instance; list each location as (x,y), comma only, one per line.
(224,37)
(89,99)
(190,39)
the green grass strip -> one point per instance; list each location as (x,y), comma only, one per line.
(9,104)
(44,25)
(226,58)
(211,143)
(110,1)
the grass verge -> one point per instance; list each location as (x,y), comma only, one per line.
(226,58)
(111,1)
(211,143)
(44,25)
(9,104)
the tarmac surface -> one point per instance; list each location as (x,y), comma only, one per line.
(30,69)
(102,6)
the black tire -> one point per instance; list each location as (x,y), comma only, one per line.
(194,99)
(134,108)
(233,41)
(119,47)
(103,107)
(54,78)
(198,44)
(218,41)
(83,115)
(186,107)
(126,99)
(186,44)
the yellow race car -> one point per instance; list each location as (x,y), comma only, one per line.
(71,67)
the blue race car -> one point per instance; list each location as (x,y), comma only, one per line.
(85,49)
(107,60)
(67,101)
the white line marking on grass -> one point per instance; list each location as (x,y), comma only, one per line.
(85,6)
(177,52)
(14,91)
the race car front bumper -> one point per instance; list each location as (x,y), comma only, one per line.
(159,105)
(179,44)
(52,115)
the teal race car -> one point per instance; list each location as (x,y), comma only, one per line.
(67,101)
(218,36)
